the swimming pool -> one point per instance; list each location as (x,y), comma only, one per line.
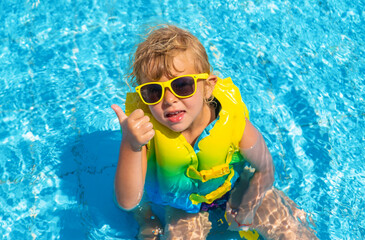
(300,67)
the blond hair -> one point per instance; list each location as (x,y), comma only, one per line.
(154,56)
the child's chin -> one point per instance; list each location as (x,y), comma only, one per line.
(176,127)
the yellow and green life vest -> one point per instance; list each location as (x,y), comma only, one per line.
(184,176)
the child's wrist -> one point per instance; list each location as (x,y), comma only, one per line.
(137,148)
(132,147)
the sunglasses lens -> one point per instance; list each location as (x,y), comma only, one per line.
(151,93)
(183,86)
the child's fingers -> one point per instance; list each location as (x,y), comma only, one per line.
(136,127)
(149,134)
(142,123)
(145,129)
(120,114)
(137,114)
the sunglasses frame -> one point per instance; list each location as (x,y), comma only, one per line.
(167,84)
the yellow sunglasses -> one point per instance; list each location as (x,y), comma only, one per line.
(182,87)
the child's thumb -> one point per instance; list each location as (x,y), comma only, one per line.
(120,114)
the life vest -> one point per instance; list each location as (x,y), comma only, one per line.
(179,176)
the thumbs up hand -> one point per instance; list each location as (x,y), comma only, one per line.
(137,128)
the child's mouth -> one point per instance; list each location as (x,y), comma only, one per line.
(175,116)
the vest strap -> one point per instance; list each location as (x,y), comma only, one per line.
(218,193)
(214,172)
(206,175)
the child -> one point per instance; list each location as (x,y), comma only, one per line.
(186,138)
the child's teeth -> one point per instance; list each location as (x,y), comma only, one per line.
(173,113)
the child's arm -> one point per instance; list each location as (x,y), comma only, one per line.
(244,203)
(131,170)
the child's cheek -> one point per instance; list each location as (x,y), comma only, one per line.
(157,112)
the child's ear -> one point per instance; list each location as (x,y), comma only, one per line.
(209,86)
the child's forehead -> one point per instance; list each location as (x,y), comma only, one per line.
(164,69)
(163,78)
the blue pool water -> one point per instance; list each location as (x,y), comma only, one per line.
(299,64)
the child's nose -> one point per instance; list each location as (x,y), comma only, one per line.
(169,97)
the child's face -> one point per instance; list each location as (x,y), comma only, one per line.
(184,114)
